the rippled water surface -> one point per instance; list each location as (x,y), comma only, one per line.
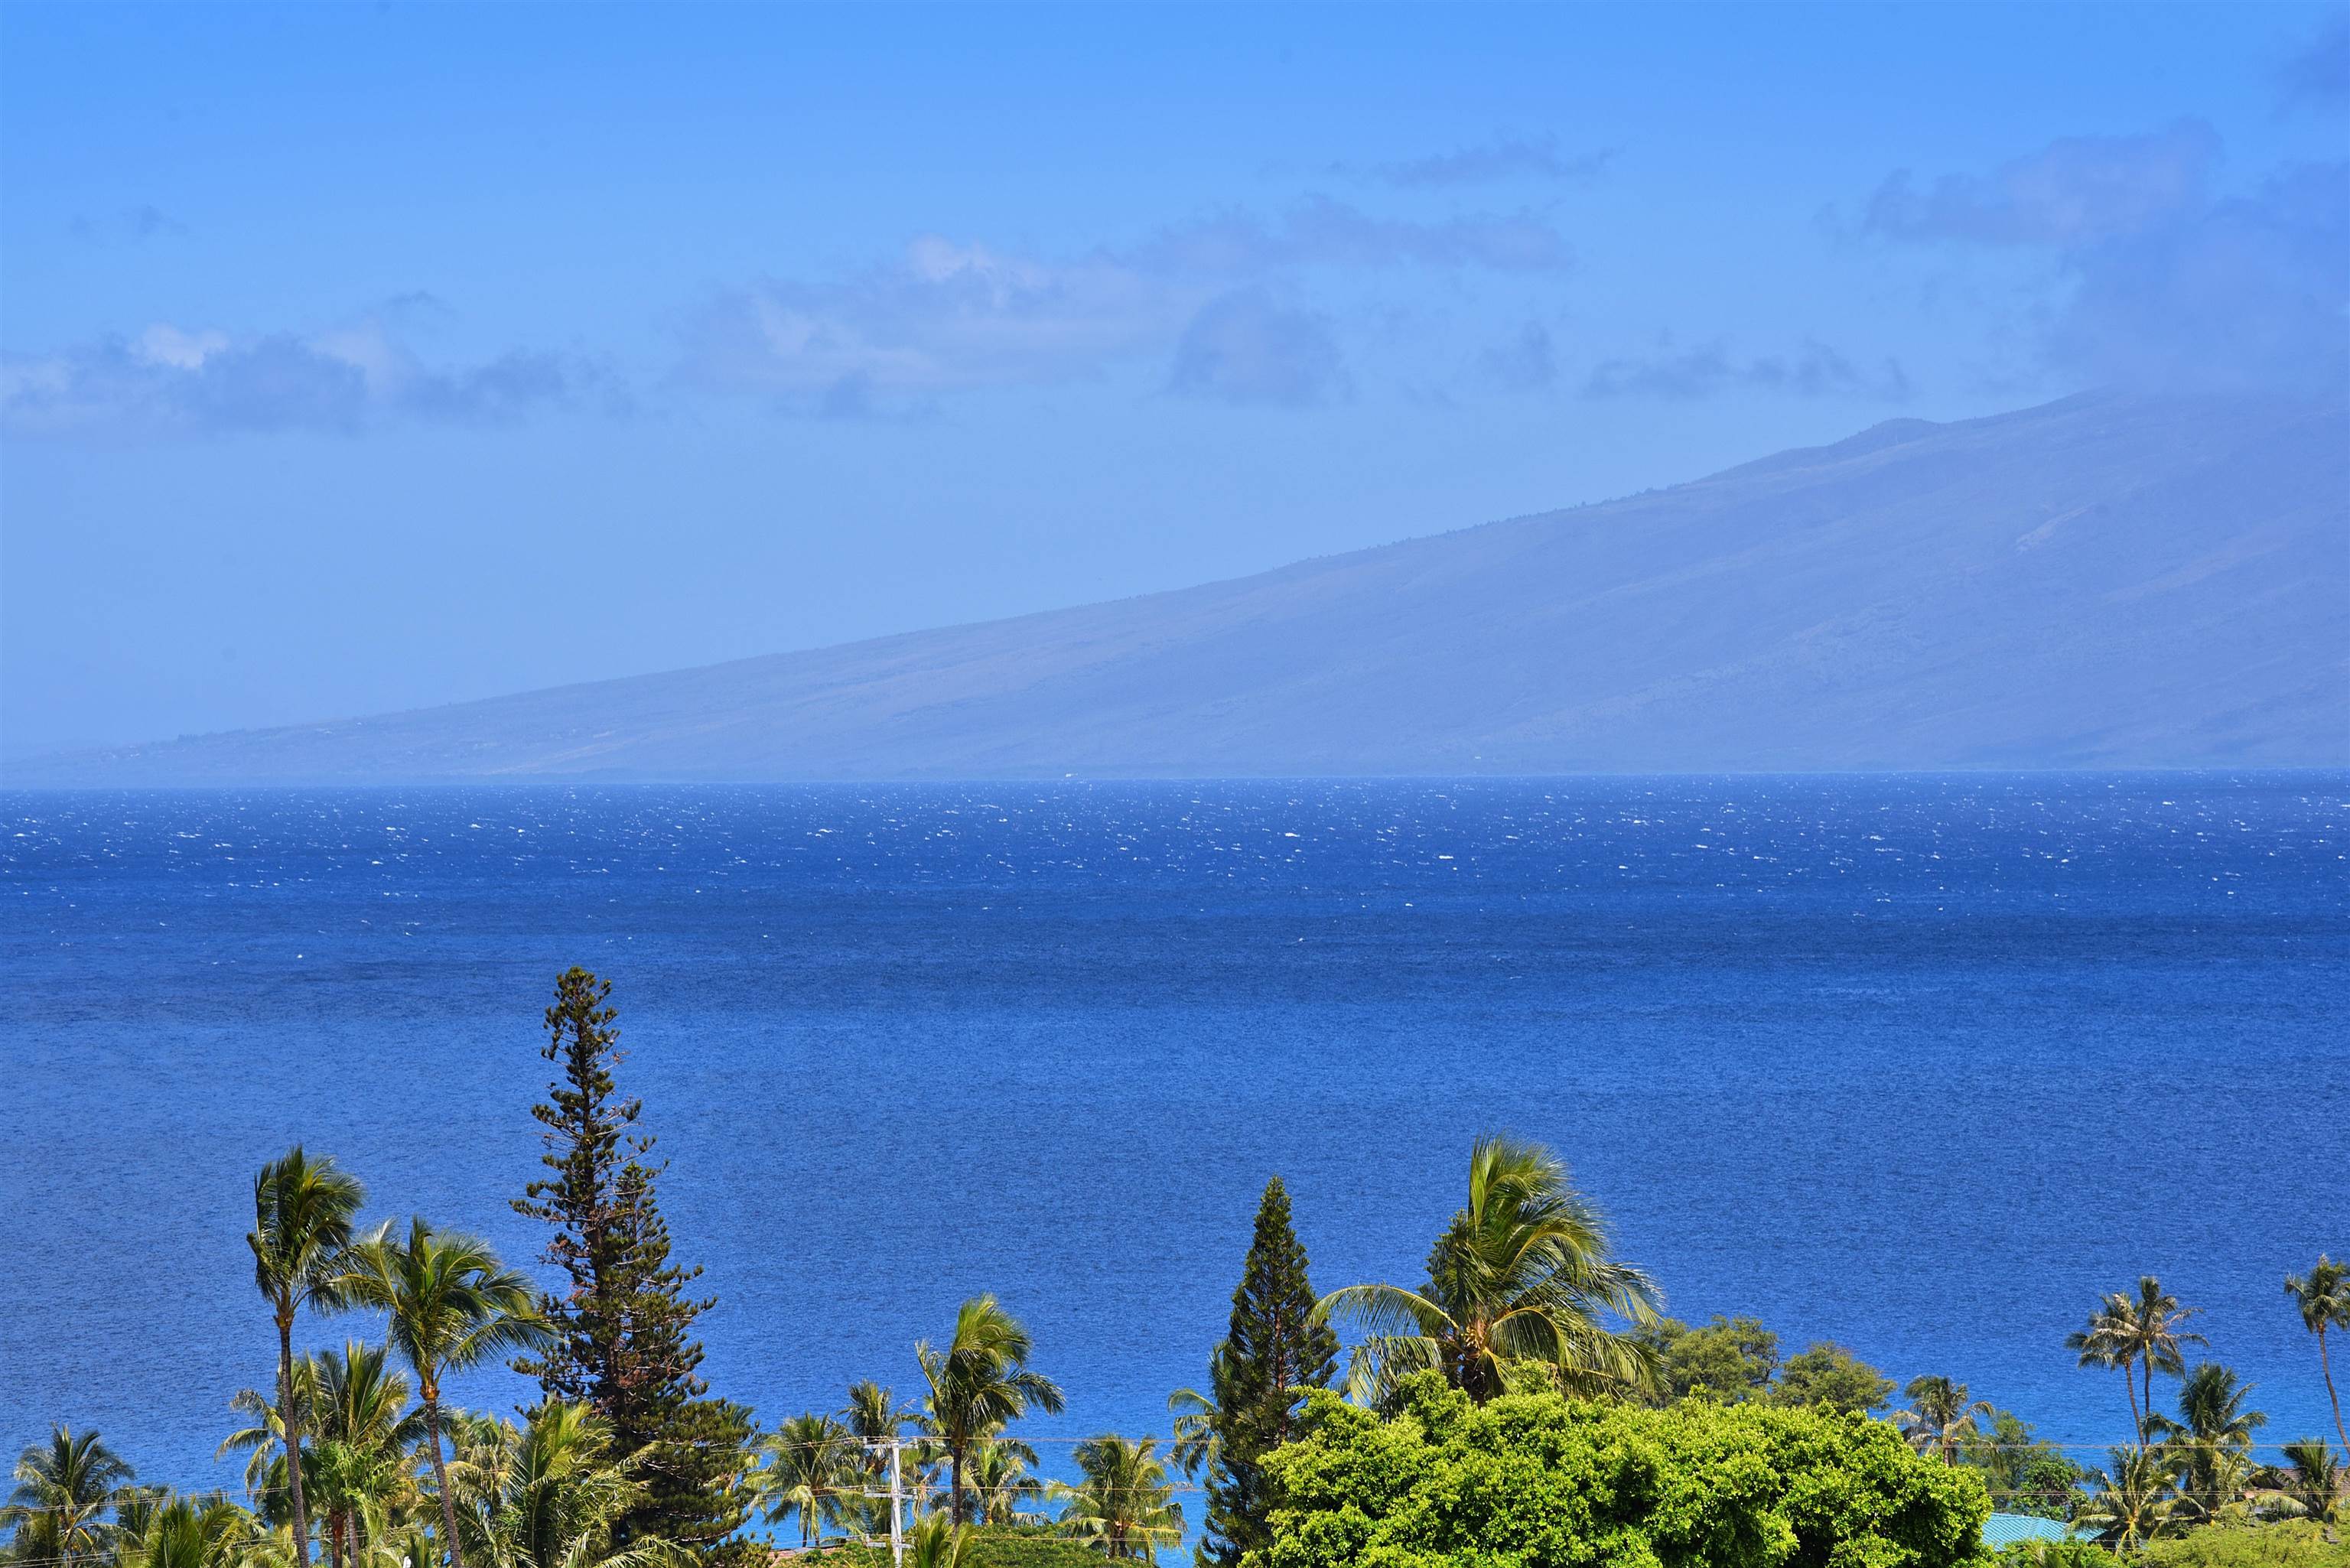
(1920,1064)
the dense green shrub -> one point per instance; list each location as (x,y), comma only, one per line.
(2291,1545)
(992,1546)
(2055,1554)
(1534,1481)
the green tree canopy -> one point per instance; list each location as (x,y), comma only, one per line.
(1830,1375)
(2265,1546)
(1537,1481)
(2025,1474)
(1729,1359)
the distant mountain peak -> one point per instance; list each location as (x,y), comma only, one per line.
(2100,582)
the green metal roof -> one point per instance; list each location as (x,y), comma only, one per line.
(2007,1528)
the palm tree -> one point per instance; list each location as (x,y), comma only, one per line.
(874,1418)
(999,1473)
(1195,1415)
(978,1385)
(937,1542)
(1940,1415)
(811,1462)
(264,1442)
(451,1305)
(65,1489)
(2308,1485)
(2323,1296)
(2212,1433)
(1125,1505)
(354,1400)
(166,1532)
(1518,1283)
(2142,1331)
(349,1481)
(546,1496)
(363,1408)
(2135,1501)
(302,1213)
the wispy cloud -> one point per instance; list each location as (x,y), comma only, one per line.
(173,382)
(947,318)
(2318,74)
(1504,158)
(2163,283)
(1244,347)
(1814,370)
(1320,231)
(129,225)
(943,318)
(1526,362)
(2078,190)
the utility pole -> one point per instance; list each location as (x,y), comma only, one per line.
(897,1495)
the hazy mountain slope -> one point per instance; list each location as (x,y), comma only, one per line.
(2099,582)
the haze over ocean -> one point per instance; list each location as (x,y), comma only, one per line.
(1918,1063)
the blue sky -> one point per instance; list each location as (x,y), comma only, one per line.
(359,358)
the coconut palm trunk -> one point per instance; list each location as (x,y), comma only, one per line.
(2326,1367)
(2138,1422)
(289,1418)
(441,1472)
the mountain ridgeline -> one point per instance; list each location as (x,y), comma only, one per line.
(2101,582)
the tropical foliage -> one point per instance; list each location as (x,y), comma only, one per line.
(2322,1294)
(1534,1478)
(302,1214)
(1522,1286)
(1728,1359)
(451,1305)
(2025,1475)
(1826,1375)
(978,1384)
(67,1492)
(1125,1504)
(809,1473)
(546,1494)
(2142,1330)
(1941,1416)
(2210,1445)
(2268,1546)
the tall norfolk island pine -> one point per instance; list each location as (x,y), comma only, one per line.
(623,1339)
(1275,1346)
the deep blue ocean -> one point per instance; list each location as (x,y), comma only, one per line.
(1920,1064)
